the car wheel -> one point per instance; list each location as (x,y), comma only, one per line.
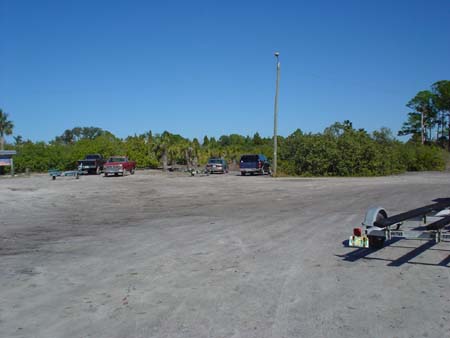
(242,173)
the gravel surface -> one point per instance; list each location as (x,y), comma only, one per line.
(169,255)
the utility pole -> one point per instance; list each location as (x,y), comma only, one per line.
(422,128)
(275,118)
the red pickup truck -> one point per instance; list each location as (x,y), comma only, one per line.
(118,165)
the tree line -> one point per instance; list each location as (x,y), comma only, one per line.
(340,150)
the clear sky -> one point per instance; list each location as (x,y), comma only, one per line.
(207,67)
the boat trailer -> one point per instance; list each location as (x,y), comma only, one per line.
(430,222)
(59,173)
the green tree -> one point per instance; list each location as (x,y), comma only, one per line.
(6,128)
(18,140)
(195,149)
(257,140)
(91,132)
(441,90)
(423,105)
(224,140)
(412,126)
(205,141)
(168,148)
(67,137)
(71,136)
(136,148)
(149,140)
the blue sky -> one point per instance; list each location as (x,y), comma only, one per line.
(207,67)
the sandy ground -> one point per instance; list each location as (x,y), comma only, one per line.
(169,255)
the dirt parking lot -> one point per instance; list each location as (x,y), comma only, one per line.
(169,255)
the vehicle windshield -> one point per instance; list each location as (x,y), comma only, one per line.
(249,158)
(117,159)
(215,160)
(92,157)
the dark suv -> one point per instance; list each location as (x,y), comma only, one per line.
(254,164)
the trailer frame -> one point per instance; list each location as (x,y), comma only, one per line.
(429,222)
(54,173)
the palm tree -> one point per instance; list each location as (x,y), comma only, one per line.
(18,140)
(161,145)
(6,127)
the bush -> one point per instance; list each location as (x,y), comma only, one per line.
(344,151)
(421,157)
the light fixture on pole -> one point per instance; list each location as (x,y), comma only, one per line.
(275,117)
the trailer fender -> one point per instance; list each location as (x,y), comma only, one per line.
(375,234)
(374,214)
(442,213)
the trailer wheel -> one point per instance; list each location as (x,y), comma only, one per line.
(376,242)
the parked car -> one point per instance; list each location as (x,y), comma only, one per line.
(92,164)
(119,165)
(251,164)
(216,165)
